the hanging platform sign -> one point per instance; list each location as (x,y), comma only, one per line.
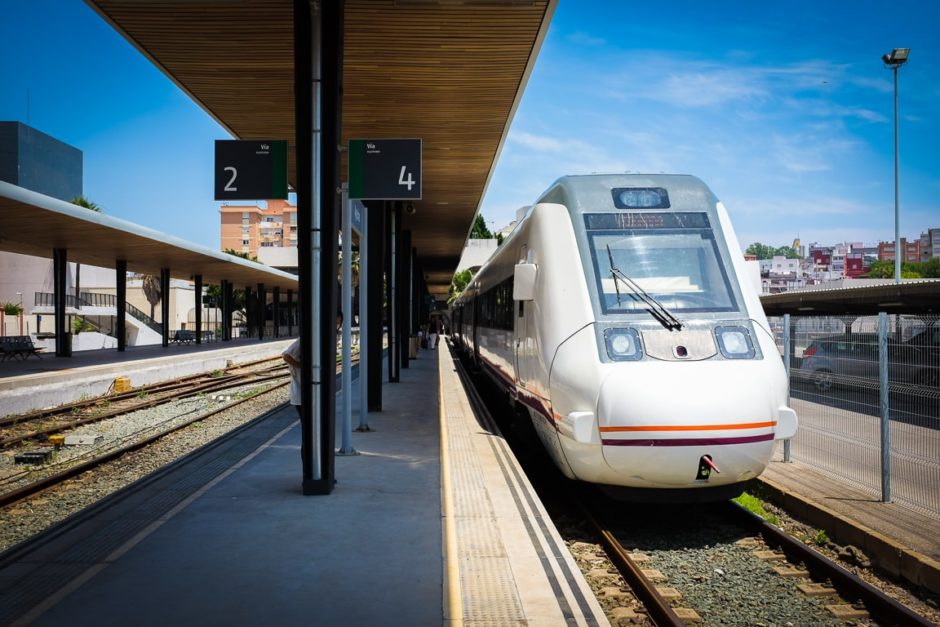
(385,169)
(251,169)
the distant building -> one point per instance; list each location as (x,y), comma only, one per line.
(781,275)
(475,253)
(39,162)
(911,250)
(930,244)
(268,233)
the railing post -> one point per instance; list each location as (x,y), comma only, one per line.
(787,352)
(885,406)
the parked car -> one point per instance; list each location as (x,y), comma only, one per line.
(851,359)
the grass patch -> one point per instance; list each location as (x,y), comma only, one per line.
(756,506)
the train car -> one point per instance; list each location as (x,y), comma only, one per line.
(618,319)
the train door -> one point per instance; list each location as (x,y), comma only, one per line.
(520,334)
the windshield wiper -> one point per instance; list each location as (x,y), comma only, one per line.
(656,309)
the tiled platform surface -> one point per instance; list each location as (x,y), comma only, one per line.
(225,538)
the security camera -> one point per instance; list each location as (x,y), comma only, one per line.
(410,209)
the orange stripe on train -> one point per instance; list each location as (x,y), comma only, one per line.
(739,425)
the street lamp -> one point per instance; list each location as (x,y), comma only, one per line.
(894,61)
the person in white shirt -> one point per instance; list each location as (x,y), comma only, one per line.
(291,355)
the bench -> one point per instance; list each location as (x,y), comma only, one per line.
(184,336)
(17,346)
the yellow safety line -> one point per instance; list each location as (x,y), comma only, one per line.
(451,561)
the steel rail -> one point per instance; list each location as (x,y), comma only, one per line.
(210,386)
(52,480)
(658,607)
(884,609)
(157,387)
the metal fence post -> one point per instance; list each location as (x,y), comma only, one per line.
(787,351)
(885,418)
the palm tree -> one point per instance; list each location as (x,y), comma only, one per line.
(152,290)
(81,201)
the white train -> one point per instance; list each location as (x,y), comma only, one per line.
(617,314)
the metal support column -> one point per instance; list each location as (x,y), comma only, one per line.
(347,446)
(885,407)
(120,330)
(787,350)
(404,299)
(318,44)
(394,307)
(60,269)
(374,299)
(165,305)
(249,312)
(226,310)
(290,313)
(262,310)
(198,289)
(276,311)
(365,335)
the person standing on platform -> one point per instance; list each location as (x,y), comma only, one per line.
(434,332)
(291,355)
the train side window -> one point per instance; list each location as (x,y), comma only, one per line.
(521,308)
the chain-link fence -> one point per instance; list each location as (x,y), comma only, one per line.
(866,391)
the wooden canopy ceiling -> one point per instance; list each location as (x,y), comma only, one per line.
(449,72)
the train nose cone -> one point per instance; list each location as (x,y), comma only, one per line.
(657,422)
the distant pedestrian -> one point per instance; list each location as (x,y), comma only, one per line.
(291,355)
(434,331)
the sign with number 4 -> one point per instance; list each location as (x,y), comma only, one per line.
(385,169)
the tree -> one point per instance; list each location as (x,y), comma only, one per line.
(788,252)
(909,270)
(81,201)
(232,251)
(459,283)
(479,230)
(930,269)
(152,290)
(761,251)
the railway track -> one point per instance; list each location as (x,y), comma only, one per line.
(15,488)
(39,425)
(715,564)
(20,482)
(721,565)
(74,470)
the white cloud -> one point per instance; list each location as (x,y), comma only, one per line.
(584,39)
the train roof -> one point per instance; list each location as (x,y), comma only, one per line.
(593,190)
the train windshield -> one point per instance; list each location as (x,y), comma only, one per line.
(672,256)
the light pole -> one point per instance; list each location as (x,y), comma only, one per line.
(894,61)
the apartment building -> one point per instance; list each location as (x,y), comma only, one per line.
(930,244)
(912,250)
(251,228)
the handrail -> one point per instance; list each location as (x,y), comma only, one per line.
(95,299)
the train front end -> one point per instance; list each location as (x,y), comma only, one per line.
(689,391)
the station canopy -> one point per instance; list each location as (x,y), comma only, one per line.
(858,297)
(448,72)
(35,224)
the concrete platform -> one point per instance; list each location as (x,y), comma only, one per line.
(40,383)
(225,538)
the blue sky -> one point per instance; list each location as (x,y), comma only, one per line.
(784,109)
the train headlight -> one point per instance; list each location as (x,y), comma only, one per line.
(622,344)
(735,342)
